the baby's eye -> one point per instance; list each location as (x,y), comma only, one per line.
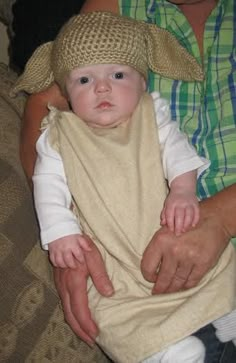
(83,80)
(119,75)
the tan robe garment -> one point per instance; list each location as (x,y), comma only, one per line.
(117,183)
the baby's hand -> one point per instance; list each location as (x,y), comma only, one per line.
(68,251)
(180,212)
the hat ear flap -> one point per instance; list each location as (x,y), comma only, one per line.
(168,58)
(37,75)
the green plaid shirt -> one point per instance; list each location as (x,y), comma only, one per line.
(205,110)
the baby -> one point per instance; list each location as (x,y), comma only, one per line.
(105,96)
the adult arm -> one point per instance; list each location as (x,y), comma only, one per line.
(36,108)
(101,5)
(185,259)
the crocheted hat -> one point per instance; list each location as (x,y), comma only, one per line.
(107,38)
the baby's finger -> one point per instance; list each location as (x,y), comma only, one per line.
(170,218)
(57,260)
(188,219)
(196,215)
(78,254)
(52,259)
(69,260)
(179,220)
(163,217)
(60,262)
(84,243)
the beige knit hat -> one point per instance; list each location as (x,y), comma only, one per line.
(107,38)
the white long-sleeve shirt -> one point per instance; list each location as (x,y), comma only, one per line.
(51,192)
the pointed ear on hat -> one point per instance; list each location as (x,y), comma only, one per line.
(37,75)
(167,57)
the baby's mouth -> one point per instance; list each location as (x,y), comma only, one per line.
(104,105)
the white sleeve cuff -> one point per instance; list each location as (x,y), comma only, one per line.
(195,163)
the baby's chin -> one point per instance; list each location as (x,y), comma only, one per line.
(105,124)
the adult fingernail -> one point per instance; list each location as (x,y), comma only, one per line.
(91,343)
(109,291)
(93,335)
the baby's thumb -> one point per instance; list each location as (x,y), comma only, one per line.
(85,243)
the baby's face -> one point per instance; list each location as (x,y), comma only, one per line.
(104,95)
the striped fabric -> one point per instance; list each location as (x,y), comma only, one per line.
(206,111)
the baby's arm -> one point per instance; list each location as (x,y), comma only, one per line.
(59,228)
(181,209)
(181,166)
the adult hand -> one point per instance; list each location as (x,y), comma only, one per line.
(71,285)
(175,263)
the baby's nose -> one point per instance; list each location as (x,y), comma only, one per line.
(102,85)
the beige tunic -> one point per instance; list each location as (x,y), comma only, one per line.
(116,179)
